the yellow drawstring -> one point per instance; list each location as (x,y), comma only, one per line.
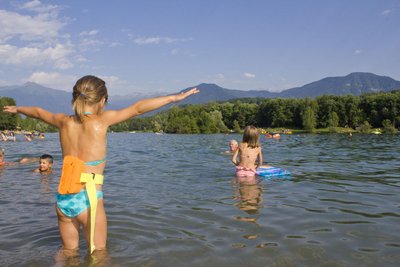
(91,179)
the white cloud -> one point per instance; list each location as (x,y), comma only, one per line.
(212,78)
(357,52)
(32,40)
(220,77)
(147,40)
(28,56)
(115,44)
(80,58)
(90,44)
(386,12)
(114,82)
(174,52)
(89,33)
(283,79)
(249,75)
(37,6)
(4,83)
(88,41)
(53,80)
(26,28)
(156,40)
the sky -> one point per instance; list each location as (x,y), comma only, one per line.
(148,46)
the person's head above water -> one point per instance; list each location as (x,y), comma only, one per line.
(45,163)
(90,92)
(233,145)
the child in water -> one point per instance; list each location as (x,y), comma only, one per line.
(84,144)
(45,164)
(249,152)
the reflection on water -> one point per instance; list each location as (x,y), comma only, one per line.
(173,200)
(45,183)
(99,258)
(248,196)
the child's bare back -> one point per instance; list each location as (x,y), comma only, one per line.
(249,153)
(248,156)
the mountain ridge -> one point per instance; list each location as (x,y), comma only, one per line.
(356,83)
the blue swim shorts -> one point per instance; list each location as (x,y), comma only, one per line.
(72,205)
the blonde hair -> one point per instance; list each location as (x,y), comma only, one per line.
(251,136)
(88,90)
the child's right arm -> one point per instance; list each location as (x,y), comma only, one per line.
(37,113)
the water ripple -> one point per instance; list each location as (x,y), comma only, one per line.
(173,200)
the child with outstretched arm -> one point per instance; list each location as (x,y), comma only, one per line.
(83,144)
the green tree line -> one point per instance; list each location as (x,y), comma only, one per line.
(13,122)
(375,110)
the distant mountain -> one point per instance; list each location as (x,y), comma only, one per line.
(32,94)
(58,101)
(356,83)
(213,92)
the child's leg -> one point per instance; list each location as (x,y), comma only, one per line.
(69,231)
(100,228)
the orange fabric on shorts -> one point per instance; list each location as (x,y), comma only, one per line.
(70,176)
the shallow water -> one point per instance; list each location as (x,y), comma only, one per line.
(173,200)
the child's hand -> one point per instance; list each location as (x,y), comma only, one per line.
(10,109)
(182,96)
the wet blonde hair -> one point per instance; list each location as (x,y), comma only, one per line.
(88,90)
(251,136)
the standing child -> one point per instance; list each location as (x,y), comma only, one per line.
(84,144)
(249,152)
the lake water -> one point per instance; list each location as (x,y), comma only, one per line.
(173,200)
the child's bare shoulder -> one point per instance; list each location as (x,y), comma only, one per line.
(243,144)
